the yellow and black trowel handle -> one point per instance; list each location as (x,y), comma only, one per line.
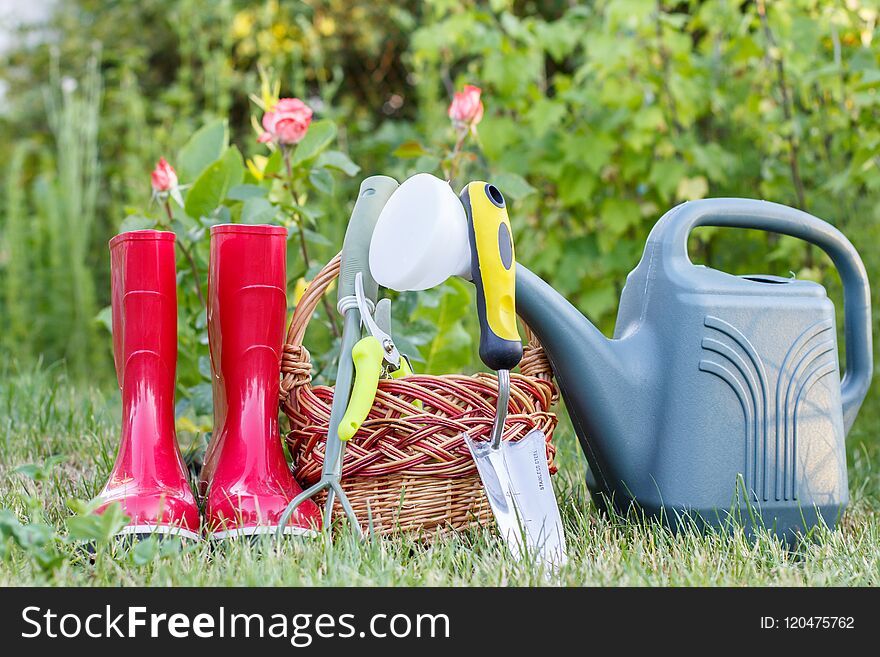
(493,268)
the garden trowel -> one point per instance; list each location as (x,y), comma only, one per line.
(470,237)
(515,475)
(517,483)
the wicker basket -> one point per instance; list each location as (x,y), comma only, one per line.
(408,469)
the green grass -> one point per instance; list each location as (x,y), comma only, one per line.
(42,414)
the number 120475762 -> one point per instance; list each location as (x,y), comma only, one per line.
(808,623)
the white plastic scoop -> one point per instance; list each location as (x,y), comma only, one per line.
(421,237)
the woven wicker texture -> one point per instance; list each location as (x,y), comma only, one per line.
(408,468)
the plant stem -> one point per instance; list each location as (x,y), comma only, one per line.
(455,155)
(788,113)
(303,248)
(786,109)
(189,256)
(665,67)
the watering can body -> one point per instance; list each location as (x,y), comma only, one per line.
(719,397)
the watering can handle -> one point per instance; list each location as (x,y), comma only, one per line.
(671,233)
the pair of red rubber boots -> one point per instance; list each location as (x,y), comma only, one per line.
(245,482)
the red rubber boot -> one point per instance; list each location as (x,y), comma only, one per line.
(245,476)
(149,478)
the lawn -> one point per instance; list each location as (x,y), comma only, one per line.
(43,415)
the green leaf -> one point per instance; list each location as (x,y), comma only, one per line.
(426,164)
(201,398)
(309,213)
(321,180)
(618,215)
(105,318)
(48,560)
(599,298)
(36,539)
(30,536)
(257,211)
(82,507)
(692,189)
(575,185)
(203,148)
(205,367)
(136,222)
(513,185)
(244,192)
(409,150)
(37,471)
(274,163)
(665,176)
(98,527)
(317,139)
(144,552)
(339,161)
(210,190)
(450,349)
(316,238)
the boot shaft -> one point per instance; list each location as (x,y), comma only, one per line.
(144,312)
(144,299)
(149,478)
(247,308)
(246,479)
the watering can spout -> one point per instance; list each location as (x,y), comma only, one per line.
(598,380)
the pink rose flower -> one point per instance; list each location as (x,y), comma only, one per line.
(466,108)
(287,122)
(163,177)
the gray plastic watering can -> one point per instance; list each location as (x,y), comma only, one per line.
(720,396)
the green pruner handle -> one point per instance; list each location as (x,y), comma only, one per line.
(493,268)
(368,357)
(404,370)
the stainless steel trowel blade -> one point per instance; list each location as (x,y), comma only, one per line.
(517,482)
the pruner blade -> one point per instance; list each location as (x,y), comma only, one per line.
(391,354)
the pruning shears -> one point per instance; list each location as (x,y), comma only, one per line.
(382,317)
(375,357)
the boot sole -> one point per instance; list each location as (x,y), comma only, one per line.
(132,534)
(261,530)
(140,532)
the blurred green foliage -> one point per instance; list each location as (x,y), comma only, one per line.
(599,118)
